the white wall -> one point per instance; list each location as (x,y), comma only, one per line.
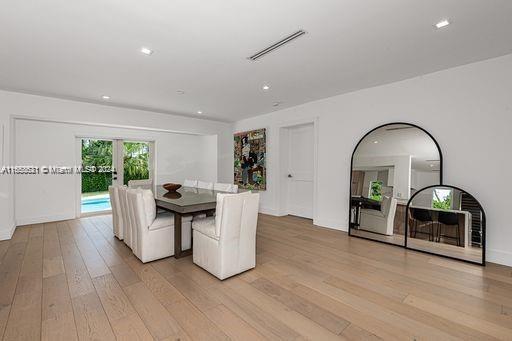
(467,109)
(42,198)
(421,179)
(401,172)
(45,108)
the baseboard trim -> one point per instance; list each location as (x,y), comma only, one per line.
(270,211)
(6,235)
(46,219)
(330,224)
(499,257)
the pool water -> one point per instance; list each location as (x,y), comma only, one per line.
(95,204)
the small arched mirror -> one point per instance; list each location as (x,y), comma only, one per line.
(447,221)
(389,165)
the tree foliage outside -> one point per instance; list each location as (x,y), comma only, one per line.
(376,190)
(442,199)
(98,153)
(136,161)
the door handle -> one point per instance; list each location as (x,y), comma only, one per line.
(290,176)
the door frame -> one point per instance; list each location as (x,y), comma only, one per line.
(282,164)
(117,160)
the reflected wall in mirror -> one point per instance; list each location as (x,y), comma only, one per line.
(447,221)
(389,165)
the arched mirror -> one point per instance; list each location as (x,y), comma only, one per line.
(389,165)
(446,221)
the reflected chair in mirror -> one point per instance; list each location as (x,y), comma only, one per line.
(448,219)
(422,218)
(379,221)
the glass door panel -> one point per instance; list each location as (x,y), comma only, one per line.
(136,161)
(97,167)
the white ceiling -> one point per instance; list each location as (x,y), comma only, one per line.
(86,49)
(412,141)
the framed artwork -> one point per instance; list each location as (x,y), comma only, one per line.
(250,156)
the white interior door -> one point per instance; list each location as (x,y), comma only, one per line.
(301,170)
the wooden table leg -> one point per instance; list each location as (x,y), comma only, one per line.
(177,235)
(178,252)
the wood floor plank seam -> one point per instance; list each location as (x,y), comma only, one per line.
(309,283)
(73,299)
(392,269)
(95,288)
(14,292)
(18,295)
(347,277)
(65,281)
(122,289)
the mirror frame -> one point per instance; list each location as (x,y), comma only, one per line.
(484,229)
(441,166)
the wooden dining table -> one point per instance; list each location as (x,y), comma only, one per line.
(186,200)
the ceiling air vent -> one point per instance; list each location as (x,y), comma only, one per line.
(277,45)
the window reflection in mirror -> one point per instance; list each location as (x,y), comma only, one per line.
(389,165)
(447,221)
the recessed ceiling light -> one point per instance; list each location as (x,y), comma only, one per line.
(276,104)
(443,23)
(375,142)
(105,97)
(146,51)
(265,87)
(199,112)
(180,92)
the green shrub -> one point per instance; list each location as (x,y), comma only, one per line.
(96,182)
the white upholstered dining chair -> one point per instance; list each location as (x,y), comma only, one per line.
(205,185)
(230,188)
(225,245)
(127,226)
(117,216)
(190,183)
(144,184)
(153,235)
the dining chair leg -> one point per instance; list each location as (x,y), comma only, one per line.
(439,233)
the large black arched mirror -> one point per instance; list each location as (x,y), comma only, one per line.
(446,221)
(389,164)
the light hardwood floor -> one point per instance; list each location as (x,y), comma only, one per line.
(74,280)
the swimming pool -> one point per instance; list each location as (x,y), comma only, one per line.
(96,203)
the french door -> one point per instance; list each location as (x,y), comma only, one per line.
(105,162)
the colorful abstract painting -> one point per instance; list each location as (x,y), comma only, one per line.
(250,154)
